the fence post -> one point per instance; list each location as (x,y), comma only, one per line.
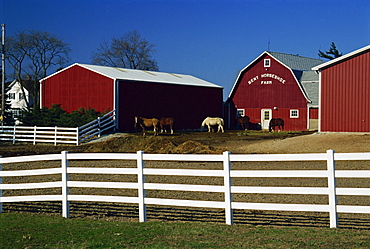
(99,126)
(332,189)
(65,189)
(1,190)
(227,185)
(14,134)
(55,135)
(77,136)
(34,134)
(141,189)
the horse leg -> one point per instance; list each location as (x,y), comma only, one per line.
(171,128)
(220,128)
(142,127)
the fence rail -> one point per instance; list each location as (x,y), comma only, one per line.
(59,135)
(331,174)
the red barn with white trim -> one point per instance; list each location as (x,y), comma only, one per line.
(133,93)
(276,85)
(344,93)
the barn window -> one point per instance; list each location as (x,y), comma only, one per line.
(294,113)
(240,113)
(21,96)
(11,95)
(267,63)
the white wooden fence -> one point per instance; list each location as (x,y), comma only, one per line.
(59,135)
(331,174)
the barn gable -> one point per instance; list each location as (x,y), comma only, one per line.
(274,85)
(133,93)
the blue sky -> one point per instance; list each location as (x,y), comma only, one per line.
(210,39)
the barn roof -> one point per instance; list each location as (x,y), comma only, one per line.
(145,76)
(341,58)
(296,62)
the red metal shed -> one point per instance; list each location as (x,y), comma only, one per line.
(133,93)
(276,85)
(344,93)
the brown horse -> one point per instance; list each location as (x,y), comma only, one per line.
(166,122)
(276,122)
(243,122)
(146,123)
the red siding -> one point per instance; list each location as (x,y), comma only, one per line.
(188,105)
(78,87)
(314,113)
(345,91)
(281,91)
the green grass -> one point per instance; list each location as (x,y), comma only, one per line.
(37,231)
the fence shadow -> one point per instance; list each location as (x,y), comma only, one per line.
(130,213)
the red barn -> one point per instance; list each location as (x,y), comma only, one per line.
(276,85)
(344,93)
(133,93)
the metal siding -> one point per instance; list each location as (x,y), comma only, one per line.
(188,105)
(345,96)
(257,96)
(77,88)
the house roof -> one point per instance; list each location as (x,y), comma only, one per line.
(116,73)
(341,58)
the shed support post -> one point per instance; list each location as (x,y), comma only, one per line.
(332,189)
(141,189)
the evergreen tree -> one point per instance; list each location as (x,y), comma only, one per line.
(331,54)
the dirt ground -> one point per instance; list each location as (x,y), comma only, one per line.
(209,143)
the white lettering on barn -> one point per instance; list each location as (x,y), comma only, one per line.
(266,82)
(253,80)
(274,76)
(269,82)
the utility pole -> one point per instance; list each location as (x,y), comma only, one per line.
(2,73)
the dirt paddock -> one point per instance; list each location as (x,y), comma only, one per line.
(208,143)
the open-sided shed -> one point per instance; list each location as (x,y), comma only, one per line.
(344,92)
(276,85)
(133,93)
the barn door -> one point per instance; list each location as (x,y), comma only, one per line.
(265,118)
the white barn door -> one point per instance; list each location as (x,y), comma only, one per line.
(266,115)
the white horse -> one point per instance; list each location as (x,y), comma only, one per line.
(213,121)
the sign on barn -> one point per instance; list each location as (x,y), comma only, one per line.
(132,93)
(276,85)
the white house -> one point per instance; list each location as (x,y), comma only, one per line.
(16,98)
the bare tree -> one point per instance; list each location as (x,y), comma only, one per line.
(32,54)
(129,51)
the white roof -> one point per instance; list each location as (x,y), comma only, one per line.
(341,58)
(146,76)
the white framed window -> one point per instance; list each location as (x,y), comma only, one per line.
(11,95)
(294,113)
(21,96)
(267,63)
(240,113)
